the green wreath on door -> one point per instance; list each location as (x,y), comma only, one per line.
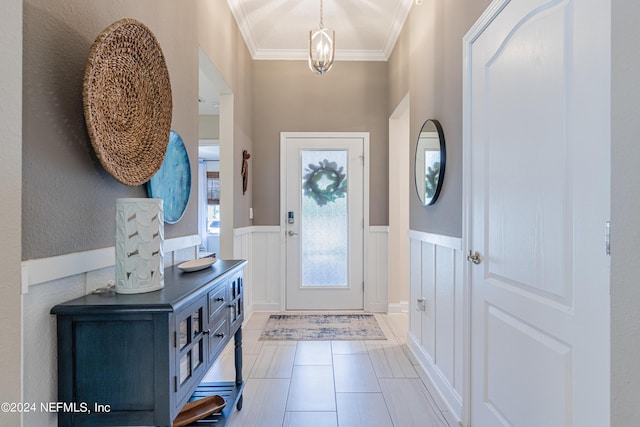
(325,182)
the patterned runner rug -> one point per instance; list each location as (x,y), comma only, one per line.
(321,327)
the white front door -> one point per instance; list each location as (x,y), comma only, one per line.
(323,187)
(537,188)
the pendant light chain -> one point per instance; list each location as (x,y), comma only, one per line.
(321,18)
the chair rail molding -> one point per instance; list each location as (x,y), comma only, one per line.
(42,270)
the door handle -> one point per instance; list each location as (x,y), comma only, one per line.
(474,257)
(292,233)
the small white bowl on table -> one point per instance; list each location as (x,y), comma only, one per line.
(197,264)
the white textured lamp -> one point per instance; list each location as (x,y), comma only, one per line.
(139,239)
(321,47)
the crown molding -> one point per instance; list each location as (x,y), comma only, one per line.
(240,16)
(302,55)
(400,17)
(383,54)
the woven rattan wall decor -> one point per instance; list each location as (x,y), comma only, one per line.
(127,101)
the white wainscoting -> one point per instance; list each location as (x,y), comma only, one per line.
(376,293)
(43,270)
(436,332)
(260,245)
(263,247)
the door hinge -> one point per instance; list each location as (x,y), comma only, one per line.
(175,339)
(363,286)
(607,237)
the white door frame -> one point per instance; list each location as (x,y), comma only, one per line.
(487,17)
(283,208)
(400,182)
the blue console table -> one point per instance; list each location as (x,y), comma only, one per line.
(135,360)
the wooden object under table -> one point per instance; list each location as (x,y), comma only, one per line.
(132,360)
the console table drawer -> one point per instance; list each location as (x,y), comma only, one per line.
(217,301)
(218,338)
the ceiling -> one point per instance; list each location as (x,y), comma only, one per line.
(366,30)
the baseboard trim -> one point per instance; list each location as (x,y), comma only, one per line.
(377,307)
(266,306)
(401,307)
(446,394)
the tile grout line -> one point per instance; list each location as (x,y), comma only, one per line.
(335,392)
(384,398)
(284,414)
(386,404)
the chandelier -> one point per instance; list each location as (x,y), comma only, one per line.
(321,47)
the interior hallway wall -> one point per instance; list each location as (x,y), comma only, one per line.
(10,194)
(68,198)
(427,63)
(209,127)
(58,34)
(221,40)
(288,97)
(625,206)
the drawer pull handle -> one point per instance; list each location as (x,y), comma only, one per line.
(206,332)
(221,299)
(219,335)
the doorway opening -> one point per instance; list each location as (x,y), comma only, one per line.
(215,161)
(400,186)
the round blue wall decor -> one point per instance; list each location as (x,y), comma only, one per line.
(172,182)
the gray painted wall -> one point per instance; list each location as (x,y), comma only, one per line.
(209,127)
(222,42)
(427,63)
(625,209)
(10,193)
(288,97)
(69,199)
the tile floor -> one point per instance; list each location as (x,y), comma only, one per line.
(330,383)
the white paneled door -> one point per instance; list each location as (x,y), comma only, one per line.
(323,187)
(537,190)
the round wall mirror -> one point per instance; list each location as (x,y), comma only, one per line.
(430,162)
